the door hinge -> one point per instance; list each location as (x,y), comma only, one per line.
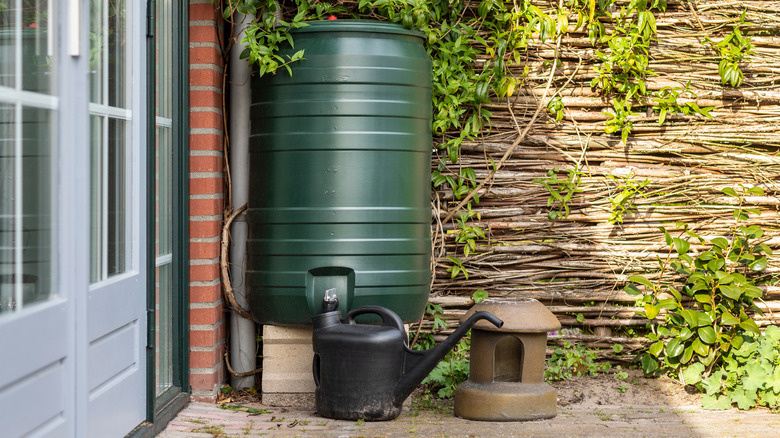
(150,329)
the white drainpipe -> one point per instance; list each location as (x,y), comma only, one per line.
(243,332)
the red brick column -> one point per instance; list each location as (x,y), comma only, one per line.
(207,317)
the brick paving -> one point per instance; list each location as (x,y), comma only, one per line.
(208,420)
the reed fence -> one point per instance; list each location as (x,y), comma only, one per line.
(578,265)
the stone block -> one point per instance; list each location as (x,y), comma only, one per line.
(287,360)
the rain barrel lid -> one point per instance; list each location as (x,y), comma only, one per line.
(369,26)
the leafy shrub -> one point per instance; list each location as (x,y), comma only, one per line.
(454,368)
(749,376)
(451,371)
(707,304)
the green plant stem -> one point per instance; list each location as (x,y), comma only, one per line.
(520,138)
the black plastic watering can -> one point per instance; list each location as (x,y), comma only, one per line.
(365,371)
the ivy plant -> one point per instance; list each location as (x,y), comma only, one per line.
(561,191)
(623,201)
(460,35)
(666,102)
(733,50)
(708,302)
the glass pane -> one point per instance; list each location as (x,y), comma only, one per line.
(164,328)
(108,198)
(7,172)
(36,63)
(96,199)
(116,200)
(164,192)
(7,47)
(96,48)
(25,155)
(164,195)
(36,204)
(25,206)
(164,60)
(109,88)
(108,39)
(24,45)
(117,53)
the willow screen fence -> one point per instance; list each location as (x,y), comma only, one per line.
(578,265)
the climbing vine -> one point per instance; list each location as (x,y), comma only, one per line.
(473,46)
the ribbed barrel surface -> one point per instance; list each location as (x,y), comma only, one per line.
(340,175)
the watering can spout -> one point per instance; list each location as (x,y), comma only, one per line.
(418,364)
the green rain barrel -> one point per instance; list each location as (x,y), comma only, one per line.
(340,175)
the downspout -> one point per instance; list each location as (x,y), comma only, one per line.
(243,332)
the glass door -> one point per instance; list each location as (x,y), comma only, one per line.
(168,295)
(116,332)
(164,197)
(36,327)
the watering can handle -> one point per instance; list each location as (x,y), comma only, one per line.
(389,318)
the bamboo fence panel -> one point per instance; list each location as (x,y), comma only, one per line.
(578,265)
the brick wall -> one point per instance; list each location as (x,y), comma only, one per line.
(208,320)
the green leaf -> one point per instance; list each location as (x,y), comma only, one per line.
(651,310)
(772,332)
(754,232)
(479,295)
(744,399)
(687,354)
(691,317)
(632,290)
(668,304)
(752,291)
(729,191)
(726,318)
(755,376)
(714,382)
(699,347)
(692,374)
(751,326)
(685,334)
(725,279)
(715,403)
(656,348)
(759,264)
(773,382)
(675,293)
(716,264)
(707,335)
(641,280)
(649,364)
(681,246)
(667,236)
(733,292)
(674,348)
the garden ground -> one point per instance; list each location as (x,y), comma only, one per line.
(598,407)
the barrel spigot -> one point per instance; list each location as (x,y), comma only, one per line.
(330,302)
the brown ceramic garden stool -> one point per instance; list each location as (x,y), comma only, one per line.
(506,382)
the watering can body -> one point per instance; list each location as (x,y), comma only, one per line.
(365,371)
